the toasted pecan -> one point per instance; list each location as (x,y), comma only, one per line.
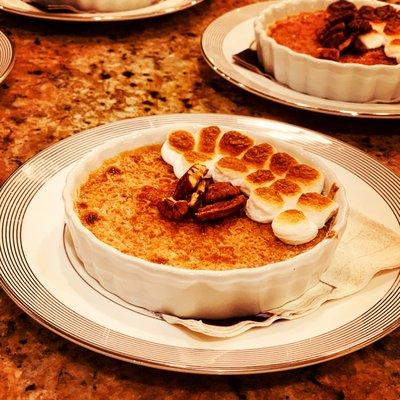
(220,191)
(189,181)
(341,6)
(197,196)
(173,209)
(221,209)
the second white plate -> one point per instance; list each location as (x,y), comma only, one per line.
(162,8)
(233,32)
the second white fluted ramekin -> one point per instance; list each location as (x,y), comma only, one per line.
(322,78)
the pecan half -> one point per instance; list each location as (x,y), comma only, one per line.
(220,191)
(334,40)
(173,209)
(346,44)
(367,13)
(344,17)
(329,30)
(359,26)
(189,181)
(221,209)
(329,54)
(385,13)
(341,6)
(197,196)
(392,27)
(358,46)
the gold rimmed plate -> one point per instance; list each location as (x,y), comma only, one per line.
(41,273)
(162,8)
(233,32)
(7,56)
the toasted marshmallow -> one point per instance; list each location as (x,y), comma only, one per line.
(230,169)
(234,143)
(308,178)
(258,155)
(261,177)
(392,49)
(317,208)
(373,39)
(289,191)
(176,144)
(280,163)
(264,204)
(293,227)
(378,26)
(384,34)
(208,139)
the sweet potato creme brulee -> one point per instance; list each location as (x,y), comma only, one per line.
(300,33)
(118,203)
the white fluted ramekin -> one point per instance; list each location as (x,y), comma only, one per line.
(317,77)
(103,5)
(196,293)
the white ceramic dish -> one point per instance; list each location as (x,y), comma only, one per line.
(164,7)
(197,293)
(317,77)
(39,269)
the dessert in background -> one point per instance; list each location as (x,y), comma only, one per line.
(343,32)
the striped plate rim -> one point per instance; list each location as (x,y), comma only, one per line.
(7,56)
(97,17)
(212,43)
(21,284)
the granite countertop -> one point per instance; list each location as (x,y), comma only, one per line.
(70,77)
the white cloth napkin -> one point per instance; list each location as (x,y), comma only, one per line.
(366,248)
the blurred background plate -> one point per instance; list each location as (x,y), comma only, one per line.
(162,8)
(7,56)
(233,32)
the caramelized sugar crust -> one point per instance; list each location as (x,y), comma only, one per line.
(118,203)
(299,33)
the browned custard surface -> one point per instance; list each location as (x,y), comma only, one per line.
(299,33)
(118,203)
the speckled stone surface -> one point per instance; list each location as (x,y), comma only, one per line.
(69,77)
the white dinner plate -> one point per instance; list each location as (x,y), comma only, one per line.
(162,8)
(41,273)
(233,32)
(7,56)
